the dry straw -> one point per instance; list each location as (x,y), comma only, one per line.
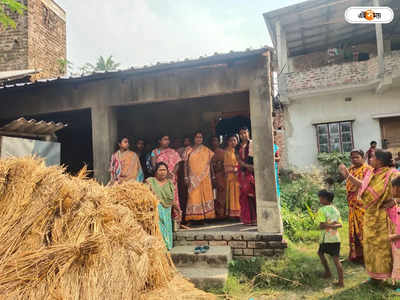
(65,237)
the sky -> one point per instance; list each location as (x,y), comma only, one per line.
(144,32)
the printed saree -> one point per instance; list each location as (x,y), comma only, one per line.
(232,184)
(165,194)
(356,214)
(374,191)
(125,166)
(200,204)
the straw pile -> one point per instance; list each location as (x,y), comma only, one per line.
(64,237)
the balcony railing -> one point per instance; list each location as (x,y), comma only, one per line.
(341,75)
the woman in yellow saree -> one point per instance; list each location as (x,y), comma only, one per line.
(375,192)
(231,166)
(200,204)
(358,170)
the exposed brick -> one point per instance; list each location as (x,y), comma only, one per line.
(199,237)
(263,252)
(218,243)
(190,238)
(237,244)
(237,236)
(237,251)
(213,237)
(261,245)
(199,243)
(249,252)
(277,245)
(243,257)
(227,237)
(251,244)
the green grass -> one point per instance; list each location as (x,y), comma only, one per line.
(296,276)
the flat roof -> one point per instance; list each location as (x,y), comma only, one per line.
(316,25)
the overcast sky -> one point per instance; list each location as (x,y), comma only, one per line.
(143,32)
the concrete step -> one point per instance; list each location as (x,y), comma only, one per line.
(216,257)
(205,278)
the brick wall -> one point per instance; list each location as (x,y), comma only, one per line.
(38,41)
(279,127)
(47,37)
(14,44)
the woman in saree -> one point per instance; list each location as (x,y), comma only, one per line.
(218,166)
(358,170)
(125,164)
(376,196)
(163,188)
(171,158)
(231,166)
(200,204)
(248,214)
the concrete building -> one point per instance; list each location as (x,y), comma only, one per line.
(338,82)
(37,43)
(176,98)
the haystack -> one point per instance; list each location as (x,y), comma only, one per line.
(65,237)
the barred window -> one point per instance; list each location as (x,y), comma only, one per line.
(335,137)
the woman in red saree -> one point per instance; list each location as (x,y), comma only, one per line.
(218,166)
(356,209)
(171,158)
(248,214)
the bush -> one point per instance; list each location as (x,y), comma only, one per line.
(330,162)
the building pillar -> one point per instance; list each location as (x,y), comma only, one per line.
(380,46)
(283,67)
(104,139)
(268,210)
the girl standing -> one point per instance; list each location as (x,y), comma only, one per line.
(231,166)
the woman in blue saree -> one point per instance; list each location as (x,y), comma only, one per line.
(277,159)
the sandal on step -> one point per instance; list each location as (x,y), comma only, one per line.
(198,250)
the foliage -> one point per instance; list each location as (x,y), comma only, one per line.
(64,65)
(330,162)
(248,268)
(102,65)
(15,7)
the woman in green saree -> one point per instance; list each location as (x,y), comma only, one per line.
(375,192)
(163,188)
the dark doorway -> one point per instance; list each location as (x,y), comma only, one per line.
(75,139)
(228,126)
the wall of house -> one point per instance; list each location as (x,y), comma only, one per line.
(302,114)
(46,37)
(14,43)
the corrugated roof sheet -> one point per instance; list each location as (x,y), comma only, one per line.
(16,74)
(32,127)
(158,67)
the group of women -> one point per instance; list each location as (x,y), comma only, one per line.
(193,182)
(371,204)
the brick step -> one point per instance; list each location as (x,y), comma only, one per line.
(215,257)
(205,278)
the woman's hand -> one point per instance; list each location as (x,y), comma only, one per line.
(343,170)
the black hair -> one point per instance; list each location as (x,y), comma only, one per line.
(396,181)
(120,138)
(158,165)
(243,128)
(326,195)
(385,157)
(197,132)
(140,139)
(231,136)
(358,151)
(373,142)
(161,136)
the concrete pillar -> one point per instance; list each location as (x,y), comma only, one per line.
(104,132)
(268,211)
(283,67)
(380,46)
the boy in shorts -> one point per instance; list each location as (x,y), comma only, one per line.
(329,221)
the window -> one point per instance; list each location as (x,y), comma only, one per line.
(335,137)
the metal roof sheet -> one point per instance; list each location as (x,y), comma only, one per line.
(31,127)
(217,58)
(16,74)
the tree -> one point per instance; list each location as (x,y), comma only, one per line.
(13,6)
(106,64)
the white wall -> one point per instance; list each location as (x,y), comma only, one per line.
(301,137)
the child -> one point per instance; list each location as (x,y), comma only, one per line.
(329,218)
(395,236)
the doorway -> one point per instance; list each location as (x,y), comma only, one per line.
(390,128)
